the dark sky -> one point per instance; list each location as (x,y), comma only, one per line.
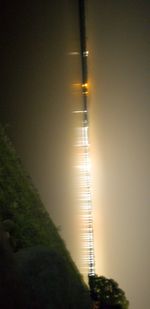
(37,74)
(37,98)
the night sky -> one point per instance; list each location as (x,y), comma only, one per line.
(38,94)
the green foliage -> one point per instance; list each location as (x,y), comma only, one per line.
(107,292)
(46,280)
(27,224)
(20,203)
(11,293)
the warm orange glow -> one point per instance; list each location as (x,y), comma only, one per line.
(76,84)
(85,89)
(85,85)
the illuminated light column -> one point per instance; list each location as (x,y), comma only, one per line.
(84,166)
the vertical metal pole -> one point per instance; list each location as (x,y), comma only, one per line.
(86,196)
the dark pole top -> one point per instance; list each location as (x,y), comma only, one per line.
(83,45)
(84,57)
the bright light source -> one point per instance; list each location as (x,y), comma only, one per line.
(85,88)
(73,53)
(79,112)
(85,198)
(85,85)
(86,53)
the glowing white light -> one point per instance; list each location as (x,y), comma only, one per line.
(86,53)
(85,198)
(79,112)
(85,237)
(84,168)
(74,53)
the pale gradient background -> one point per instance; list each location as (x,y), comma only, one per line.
(37,99)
